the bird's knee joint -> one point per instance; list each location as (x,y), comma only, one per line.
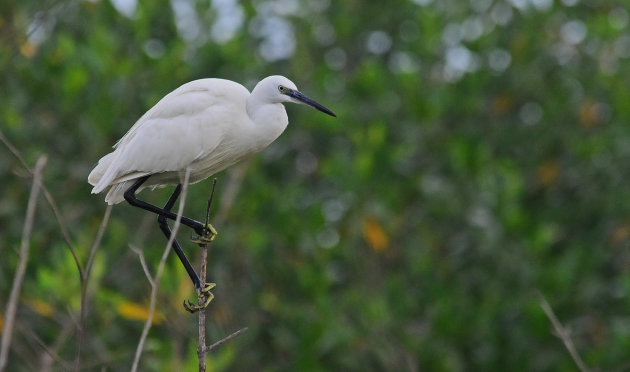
(129,197)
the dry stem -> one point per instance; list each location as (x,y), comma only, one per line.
(562,333)
(84,276)
(49,199)
(155,282)
(202,349)
(9,317)
(225,339)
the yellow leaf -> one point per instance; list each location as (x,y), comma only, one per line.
(589,114)
(41,307)
(374,235)
(501,105)
(548,173)
(1,324)
(28,50)
(620,233)
(133,311)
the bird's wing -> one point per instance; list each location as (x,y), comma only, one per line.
(194,96)
(186,125)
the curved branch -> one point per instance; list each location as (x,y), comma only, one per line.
(155,283)
(9,318)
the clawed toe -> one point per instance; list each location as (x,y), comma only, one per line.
(207,234)
(205,295)
(202,239)
(207,287)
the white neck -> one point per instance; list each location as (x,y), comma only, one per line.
(269,119)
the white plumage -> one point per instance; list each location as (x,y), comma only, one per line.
(206,125)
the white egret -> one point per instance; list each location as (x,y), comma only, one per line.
(206,126)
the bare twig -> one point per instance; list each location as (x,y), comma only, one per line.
(209,205)
(229,191)
(562,333)
(202,349)
(47,358)
(158,275)
(84,277)
(62,227)
(9,317)
(50,353)
(225,339)
(143,263)
(50,200)
(97,241)
(14,151)
(83,273)
(23,353)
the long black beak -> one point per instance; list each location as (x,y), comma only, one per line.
(307,101)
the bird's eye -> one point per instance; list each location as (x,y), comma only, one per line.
(281,88)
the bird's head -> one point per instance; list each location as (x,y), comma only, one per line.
(278,89)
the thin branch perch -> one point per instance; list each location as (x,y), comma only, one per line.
(202,349)
(201,352)
(562,333)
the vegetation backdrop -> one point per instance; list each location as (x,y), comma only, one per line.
(478,166)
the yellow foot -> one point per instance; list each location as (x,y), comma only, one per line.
(204,295)
(209,234)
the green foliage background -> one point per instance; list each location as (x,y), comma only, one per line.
(480,155)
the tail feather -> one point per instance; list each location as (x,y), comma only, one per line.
(97,173)
(104,177)
(105,180)
(116,193)
(106,173)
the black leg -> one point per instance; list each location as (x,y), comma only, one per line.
(178,250)
(130,196)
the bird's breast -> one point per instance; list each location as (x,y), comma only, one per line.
(268,123)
